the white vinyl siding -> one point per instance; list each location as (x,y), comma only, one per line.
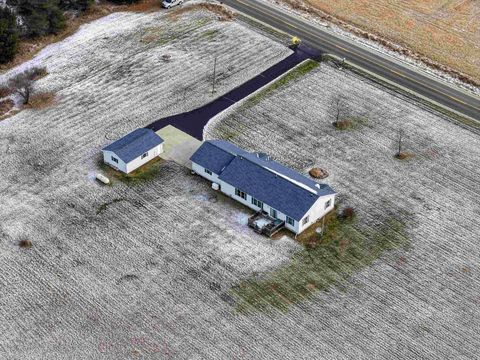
(112,159)
(314,213)
(318,210)
(205,173)
(141,160)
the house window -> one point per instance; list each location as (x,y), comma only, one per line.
(208,172)
(290,221)
(305,220)
(328,203)
(114,159)
(145,155)
(273,213)
(257,203)
(240,193)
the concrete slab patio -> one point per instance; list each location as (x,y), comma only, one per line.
(178,145)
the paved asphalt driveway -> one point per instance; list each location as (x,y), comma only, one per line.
(194,121)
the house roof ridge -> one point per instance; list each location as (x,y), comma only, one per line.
(228,147)
(283,176)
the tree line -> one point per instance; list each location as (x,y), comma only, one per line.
(35,18)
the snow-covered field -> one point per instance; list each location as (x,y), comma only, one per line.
(119,272)
(144,271)
(417,303)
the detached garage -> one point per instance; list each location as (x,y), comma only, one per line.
(133,150)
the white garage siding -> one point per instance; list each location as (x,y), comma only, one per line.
(139,161)
(108,158)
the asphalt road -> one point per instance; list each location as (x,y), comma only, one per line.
(314,36)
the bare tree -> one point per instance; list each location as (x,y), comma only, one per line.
(22,84)
(339,108)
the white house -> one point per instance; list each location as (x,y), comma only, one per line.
(133,150)
(263,184)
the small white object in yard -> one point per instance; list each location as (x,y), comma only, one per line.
(103,179)
(166,57)
(215,186)
(319,230)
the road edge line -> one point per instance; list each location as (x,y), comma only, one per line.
(452,115)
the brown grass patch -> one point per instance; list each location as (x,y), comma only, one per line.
(318,173)
(6,106)
(439,33)
(404,155)
(348,213)
(145,6)
(154,34)
(41,100)
(5,91)
(25,244)
(343,124)
(9,114)
(223,13)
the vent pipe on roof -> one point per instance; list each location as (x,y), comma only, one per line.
(263,156)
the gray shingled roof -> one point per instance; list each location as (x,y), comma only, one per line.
(134,144)
(269,181)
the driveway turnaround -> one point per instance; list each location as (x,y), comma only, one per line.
(178,146)
(193,122)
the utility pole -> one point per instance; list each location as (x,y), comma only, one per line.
(214,74)
(400,138)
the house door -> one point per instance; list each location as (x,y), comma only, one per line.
(273,213)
